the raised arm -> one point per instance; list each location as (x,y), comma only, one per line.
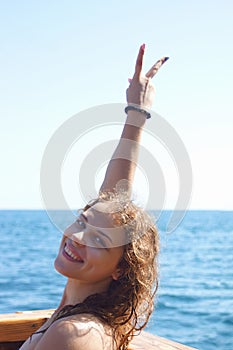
(122,166)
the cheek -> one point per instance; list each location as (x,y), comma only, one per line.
(96,255)
(107,260)
(100,258)
(62,242)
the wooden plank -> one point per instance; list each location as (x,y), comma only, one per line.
(149,341)
(17,327)
(20,325)
(11,345)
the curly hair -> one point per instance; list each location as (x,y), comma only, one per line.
(128,303)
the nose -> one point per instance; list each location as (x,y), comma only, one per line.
(78,238)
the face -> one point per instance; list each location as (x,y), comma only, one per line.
(91,247)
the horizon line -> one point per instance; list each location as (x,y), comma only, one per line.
(147,209)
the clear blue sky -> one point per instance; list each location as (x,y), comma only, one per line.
(60,57)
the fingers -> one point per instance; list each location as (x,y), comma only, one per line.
(138,67)
(154,69)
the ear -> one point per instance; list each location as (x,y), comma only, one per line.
(116,274)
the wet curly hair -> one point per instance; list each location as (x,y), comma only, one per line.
(128,303)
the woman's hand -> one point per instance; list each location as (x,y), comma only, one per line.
(140,91)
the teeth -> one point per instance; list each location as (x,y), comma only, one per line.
(68,251)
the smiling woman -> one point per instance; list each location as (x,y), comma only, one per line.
(88,253)
(109,254)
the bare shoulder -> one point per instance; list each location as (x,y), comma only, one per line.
(75,333)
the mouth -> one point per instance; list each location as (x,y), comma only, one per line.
(71,256)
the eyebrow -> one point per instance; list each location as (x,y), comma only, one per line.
(84,216)
(99,231)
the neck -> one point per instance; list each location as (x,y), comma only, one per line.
(76,292)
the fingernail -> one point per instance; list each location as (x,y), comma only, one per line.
(143,46)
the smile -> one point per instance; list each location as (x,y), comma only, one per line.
(71,255)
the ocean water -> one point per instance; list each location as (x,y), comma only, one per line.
(194,303)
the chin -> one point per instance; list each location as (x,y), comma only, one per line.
(58,266)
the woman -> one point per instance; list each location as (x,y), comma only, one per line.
(109,254)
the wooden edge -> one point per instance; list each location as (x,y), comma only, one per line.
(17,327)
(20,315)
(11,345)
(20,325)
(150,341)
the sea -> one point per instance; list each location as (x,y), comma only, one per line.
(194,303)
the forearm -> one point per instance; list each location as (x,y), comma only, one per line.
(122,166)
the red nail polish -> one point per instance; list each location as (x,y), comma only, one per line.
(143,47)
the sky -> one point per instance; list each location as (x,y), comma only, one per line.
(59,58)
